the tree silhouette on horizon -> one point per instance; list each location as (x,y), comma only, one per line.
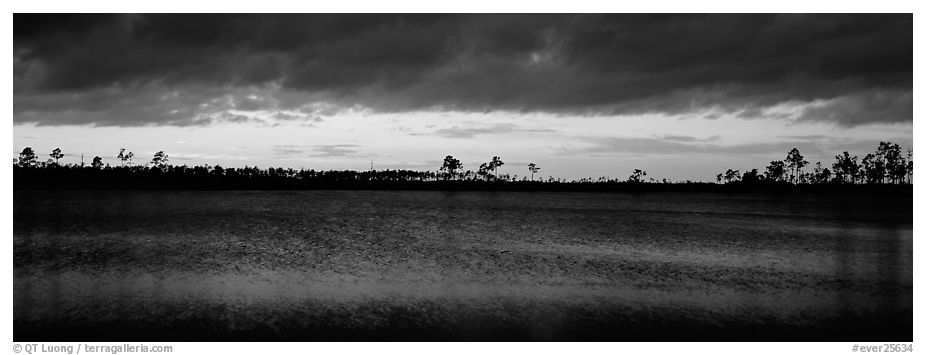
(795,162)
(533,168)
(450,167)
(159,160)
(123,156)
(637,176)
(27,157)
(775,170)
(56,154)
(97,162)
(731,175)
(495,164)
(846,168)
(887,165)
(894,163)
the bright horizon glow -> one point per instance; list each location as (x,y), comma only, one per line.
(673,147)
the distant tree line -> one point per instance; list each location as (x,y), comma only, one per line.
(886,166)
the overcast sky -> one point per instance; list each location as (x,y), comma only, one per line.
(681,96)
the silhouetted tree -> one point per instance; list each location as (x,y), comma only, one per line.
(97,162)
(825,175)
(27,157)
(751,176)
(450,167)
(910,166)
(775,170)
(894,164)
(122,156)
(495,164)
(533,168)
(159,160)
(637,176)
(846,168)
(875,168)
(819,175)
(56,154)
(484,169)
(795,163)
(731,175)
(125,157)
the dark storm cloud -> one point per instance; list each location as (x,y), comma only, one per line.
(115,106)
(855,69)
(860,108)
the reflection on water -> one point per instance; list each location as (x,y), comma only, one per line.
(884,256)
(442,257)
(67,293)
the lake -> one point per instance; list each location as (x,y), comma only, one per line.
(432,265)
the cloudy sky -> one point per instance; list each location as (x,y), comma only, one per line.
(681,96)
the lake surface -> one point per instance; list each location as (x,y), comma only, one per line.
(431,265)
